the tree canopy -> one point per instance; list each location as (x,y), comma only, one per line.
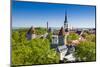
(28,52)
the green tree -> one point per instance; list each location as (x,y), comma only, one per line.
(15,35)
(72,36)
(40,31)
(91,37)
(85,51)
(49,37)
(36,51)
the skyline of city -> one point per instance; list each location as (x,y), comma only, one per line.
(37,14)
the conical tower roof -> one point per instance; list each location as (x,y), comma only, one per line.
(31,30)
(61,32)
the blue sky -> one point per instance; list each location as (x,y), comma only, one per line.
(26,14)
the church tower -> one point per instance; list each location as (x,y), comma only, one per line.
(66,23)
(31,33)
(47,26)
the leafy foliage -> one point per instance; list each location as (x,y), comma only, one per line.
(85,51)
(36,51)
(72,36)
(49,37)
(39,30)
(91,38)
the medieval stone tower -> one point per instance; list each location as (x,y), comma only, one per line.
(61,36)
(63,32)
(31,33)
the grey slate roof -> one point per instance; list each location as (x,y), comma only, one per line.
(62,48)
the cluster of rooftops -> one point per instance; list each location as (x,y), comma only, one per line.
(59,40)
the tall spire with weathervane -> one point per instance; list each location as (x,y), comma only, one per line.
(66,22)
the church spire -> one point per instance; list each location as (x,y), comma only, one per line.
(65,17)
(66,22)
